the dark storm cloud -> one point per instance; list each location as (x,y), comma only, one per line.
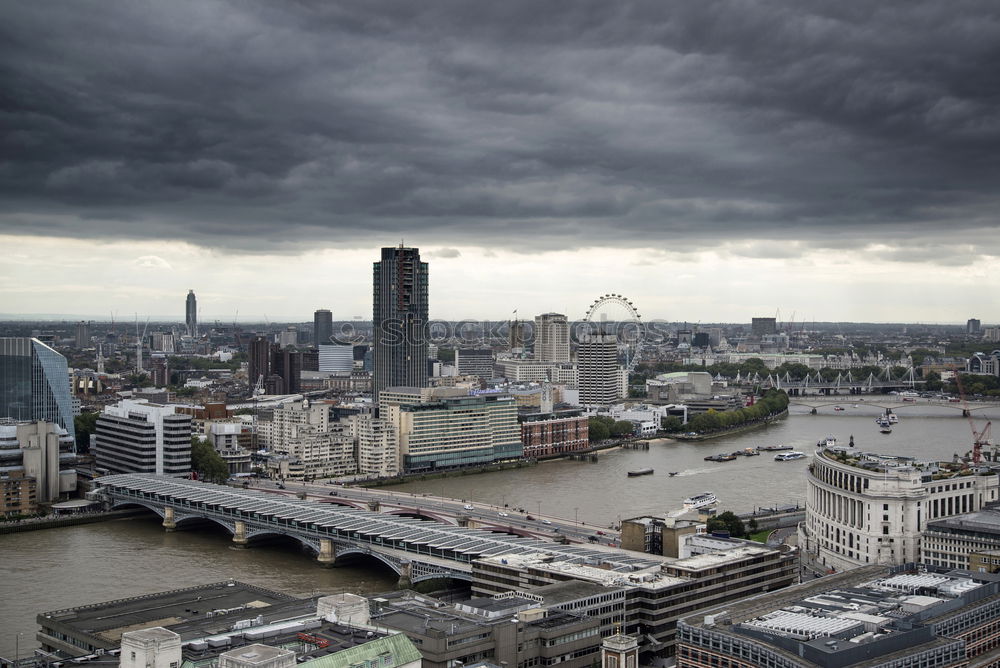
(522,124)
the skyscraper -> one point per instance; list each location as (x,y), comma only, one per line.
(191,314)
(34,383)
(600,375)
(399,319)
(322,328)
(258,360)
(551,338)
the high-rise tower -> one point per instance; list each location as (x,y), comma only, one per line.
(399,319)
(600,376)
(191,314)
(322,328)
(551,338)
(34,383)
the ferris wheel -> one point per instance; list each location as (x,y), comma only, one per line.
(632,335)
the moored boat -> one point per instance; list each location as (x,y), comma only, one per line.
(775,448)
(638,472)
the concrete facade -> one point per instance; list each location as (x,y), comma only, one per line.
(865,508)
(136,436)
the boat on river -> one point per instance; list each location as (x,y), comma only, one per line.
(639,472)
(700,500)
(789,456)
(723,457)
(774,448)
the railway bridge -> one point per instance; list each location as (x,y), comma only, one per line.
(414,549)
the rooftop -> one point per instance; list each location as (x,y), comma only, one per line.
(866,612)
(184,611)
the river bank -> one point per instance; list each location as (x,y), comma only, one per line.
(733,431)
(439,475)
(66,520)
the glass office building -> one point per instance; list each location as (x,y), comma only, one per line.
(34,383)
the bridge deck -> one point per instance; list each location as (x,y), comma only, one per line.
(385,532)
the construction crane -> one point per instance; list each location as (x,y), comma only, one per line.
(979,438)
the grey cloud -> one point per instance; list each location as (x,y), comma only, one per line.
(263,126)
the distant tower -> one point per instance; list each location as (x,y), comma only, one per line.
(399,319)
(551,338)
(973,327)
(258,360)
(83,334)
(322,328)
(191,314)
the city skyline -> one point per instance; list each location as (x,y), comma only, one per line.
(712,162)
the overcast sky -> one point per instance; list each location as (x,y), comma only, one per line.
(713,161)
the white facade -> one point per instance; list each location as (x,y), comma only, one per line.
(304,432)
(378,445)
(863,508)
(136,436)
(336,359)
(551,338)
(531,371)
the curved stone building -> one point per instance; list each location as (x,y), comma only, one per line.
(865,508)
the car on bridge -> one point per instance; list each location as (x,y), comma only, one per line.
(468,506)
(503,514)
(545,521)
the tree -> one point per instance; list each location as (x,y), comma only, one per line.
(622,428)
(727,521)
(207,462)
(671,424)
(597,429)
(85,425)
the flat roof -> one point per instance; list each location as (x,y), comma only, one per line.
(178,610)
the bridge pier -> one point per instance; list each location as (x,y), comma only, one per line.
(240,534)
(327,553)
(965,412)
(168,519)
(405,575)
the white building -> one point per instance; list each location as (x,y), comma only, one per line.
(531,371)
(304,432)
(864,508)
(336,359)
(137,436)
(551,338)
(378,445)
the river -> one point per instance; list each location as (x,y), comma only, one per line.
(66,567)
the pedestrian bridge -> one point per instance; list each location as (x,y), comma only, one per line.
(414,549)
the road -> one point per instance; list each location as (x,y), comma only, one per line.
(545,527)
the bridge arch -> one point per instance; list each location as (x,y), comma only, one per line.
(122,505)
(254,536)
(422,514)
(344,502)
(344,550)
(186,519)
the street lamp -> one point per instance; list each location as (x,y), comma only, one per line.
(17,647)
(576,515)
